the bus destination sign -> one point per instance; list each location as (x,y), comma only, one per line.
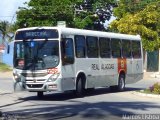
(36,34)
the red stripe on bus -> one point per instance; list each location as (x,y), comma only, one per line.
(122,65)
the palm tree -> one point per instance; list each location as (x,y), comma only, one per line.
(5,32)
(5,29)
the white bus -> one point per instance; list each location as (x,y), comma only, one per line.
(61,59)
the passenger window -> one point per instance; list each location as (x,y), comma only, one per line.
(126,49)
(105,50)
(116,48)
(92,47)
(67,51)
(136,49)
(80,46)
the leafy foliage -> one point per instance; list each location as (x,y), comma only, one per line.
(5,30)
(145,22)
(45,13)
(155,88)
(87,14)
(130,6)
(94,14)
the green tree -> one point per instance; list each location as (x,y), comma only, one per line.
(130,6)
(94,14)
(5,30)
(45,13)
(76,13)
(145,22)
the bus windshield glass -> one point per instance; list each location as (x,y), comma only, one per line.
(36,34)
(36,55)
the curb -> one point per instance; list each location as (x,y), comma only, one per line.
(5,93)
(146,95)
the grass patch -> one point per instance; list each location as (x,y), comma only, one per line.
(4,67)
(154,89)
(147,91)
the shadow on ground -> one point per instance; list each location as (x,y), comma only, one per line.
(99,110)
(77,109)
(70,94)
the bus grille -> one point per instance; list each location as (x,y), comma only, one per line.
(35,85)
(37,80)
(34,74)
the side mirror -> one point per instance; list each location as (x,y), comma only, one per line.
(8,49)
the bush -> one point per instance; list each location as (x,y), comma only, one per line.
(4,67)
(155,88)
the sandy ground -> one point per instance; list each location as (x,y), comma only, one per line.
(6,74)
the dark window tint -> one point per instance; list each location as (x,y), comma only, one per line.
(116,48)
(92,47)
(80,46)
(136,49)
(126,48)
(105,51)
(67,51)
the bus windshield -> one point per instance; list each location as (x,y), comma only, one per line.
(36,55)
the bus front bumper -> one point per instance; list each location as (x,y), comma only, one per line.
(46,86)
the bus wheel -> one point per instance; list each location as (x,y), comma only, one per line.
(121,82)
(79,87)
(40,94)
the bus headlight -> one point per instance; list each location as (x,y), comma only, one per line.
(53,78)
(17,77)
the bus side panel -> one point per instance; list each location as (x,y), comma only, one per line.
(109,73)
(137,70)
(134,70)
(129,73)
(91,69)
(68,77)
(68,70)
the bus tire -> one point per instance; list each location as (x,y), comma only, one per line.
(121,82)
(79,87)
(40,94)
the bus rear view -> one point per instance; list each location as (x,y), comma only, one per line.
(37,60)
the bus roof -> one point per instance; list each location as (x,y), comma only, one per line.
(75,31)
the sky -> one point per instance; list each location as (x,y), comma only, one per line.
(8,9)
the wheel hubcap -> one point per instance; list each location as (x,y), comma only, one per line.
(79,89)
(121,83)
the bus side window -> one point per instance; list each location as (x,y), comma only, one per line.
(136,49)
(67,51)
(126,49)
(92,47)
(80,46)
(116,48)
(105,49)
